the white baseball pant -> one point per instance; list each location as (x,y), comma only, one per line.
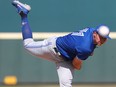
(45,50)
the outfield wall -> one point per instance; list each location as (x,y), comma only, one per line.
(15,60)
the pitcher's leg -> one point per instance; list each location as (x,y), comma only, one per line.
(65,73)
(23,11)
(37,48)
(26,30)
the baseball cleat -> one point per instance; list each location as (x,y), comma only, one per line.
(21,7)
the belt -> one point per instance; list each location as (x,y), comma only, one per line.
(59,54)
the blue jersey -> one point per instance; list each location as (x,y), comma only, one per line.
(79,43)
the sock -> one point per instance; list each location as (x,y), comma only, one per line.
(26,30)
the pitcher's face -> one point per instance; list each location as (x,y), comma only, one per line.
(99,40)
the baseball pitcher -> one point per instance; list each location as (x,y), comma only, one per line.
(67,52)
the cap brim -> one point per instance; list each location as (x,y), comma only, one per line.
(108,37)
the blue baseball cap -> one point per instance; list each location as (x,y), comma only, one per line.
(103,31)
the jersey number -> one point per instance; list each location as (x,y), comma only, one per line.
(80,33)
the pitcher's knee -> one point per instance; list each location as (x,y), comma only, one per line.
(27,41)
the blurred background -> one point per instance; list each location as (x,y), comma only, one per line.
(56,16)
